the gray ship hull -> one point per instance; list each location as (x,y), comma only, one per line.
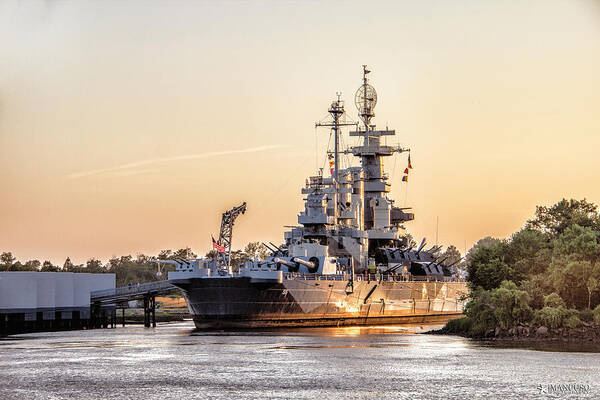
(243,303)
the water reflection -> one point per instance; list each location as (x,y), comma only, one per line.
(346,331)
(352,331)
(174,362)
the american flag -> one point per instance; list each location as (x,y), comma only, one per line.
(217,246)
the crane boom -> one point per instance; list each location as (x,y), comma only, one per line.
(225,235)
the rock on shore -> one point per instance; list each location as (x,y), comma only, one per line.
(586,333)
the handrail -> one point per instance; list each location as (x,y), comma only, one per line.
(369,277)
(133,290)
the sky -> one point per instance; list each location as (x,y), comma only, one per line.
(129,127)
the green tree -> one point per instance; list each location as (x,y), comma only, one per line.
(184,253)
(47,266)
(480,312)
(487,241)
(410,240)
(6,261)
(541,274)
(556,219)
(165,255)
(529,252)
(592,285)
(452,254)
(212,254)
(570,281)
(17,266)
(511,305)
(141,258)
(94,266)
(68,265)
(129,271)
(577,243)
(256,250)
(537,286)
(237,257)
(487,267)
(575,266)
(32,265)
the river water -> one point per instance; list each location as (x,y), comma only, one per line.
(395,362)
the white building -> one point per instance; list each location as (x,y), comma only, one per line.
(41,297)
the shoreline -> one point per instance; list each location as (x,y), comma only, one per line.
(587,333)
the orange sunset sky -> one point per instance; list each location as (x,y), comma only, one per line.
(128,127)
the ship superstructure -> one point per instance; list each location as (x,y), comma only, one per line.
(350,242)
(350,213)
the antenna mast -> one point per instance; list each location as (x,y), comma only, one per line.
(337,111)
(366,99)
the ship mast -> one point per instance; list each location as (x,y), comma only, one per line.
(368,98)
(378,210)
(336,110)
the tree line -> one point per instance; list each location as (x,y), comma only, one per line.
(546,274)
(128,269)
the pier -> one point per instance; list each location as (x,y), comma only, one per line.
(119,298)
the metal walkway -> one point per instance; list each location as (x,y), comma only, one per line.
(133,292)
(118,298)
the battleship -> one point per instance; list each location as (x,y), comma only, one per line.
(349,261)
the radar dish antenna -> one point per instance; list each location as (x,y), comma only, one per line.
(365,99)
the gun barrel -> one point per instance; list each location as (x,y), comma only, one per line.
(270,249)
(167,262)
(274,245)
(284,262)
(303,262)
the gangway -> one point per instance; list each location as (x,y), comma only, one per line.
(143,291)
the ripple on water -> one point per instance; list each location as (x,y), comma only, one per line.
(174,362)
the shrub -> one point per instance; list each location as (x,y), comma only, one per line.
(572,321)
(479,329)
(586,315)
(481,312)
(510,304)
(554,300)
(460,325)
(536,286)
(551,317)
(557,317)
(597,314)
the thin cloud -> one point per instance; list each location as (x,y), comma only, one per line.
(136,164)
(131,172)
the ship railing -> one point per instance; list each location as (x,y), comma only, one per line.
(131,291)
(316,277)
(368,277)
